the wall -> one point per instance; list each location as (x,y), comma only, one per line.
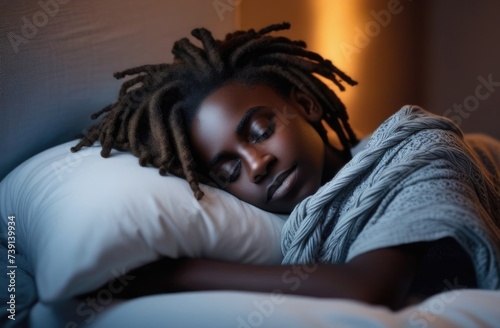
(462,49)
(57,58)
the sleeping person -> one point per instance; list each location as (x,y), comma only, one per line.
(411,211)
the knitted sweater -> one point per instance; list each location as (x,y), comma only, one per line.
(418,179)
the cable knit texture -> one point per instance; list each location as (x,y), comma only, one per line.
(418,179)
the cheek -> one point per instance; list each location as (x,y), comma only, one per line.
(301,140)
(247,192)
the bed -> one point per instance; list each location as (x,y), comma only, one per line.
(78,224)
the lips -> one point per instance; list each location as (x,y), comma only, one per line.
(283,183)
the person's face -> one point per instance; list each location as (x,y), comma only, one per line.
(260,146)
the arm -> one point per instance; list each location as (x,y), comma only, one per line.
(379,277)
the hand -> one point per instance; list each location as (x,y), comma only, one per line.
(152,278)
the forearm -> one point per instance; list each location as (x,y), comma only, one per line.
(199,274)
(312,280)
(382,277)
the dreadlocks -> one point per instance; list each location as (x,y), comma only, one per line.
(154,109)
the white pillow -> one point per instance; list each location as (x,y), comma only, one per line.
(81,220)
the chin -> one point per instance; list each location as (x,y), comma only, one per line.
(310,189)
(287,209)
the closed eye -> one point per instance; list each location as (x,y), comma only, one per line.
(229,171)
(235,173)
(262,132)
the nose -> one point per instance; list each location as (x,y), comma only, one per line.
(258,163)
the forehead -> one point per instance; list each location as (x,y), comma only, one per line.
(219,113)
(233,99)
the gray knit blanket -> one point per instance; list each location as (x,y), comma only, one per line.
(418,179)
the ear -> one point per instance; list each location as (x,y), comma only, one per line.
(309,108)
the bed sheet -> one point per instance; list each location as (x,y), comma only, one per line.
(462,308)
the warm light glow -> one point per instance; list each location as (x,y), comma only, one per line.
(334,25)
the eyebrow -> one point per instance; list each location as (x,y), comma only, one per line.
(239,129)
